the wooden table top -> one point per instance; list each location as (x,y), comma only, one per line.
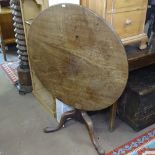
(77,57)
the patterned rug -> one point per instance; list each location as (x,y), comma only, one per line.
(10,68)
(142,145)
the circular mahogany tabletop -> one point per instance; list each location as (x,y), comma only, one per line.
(77,57)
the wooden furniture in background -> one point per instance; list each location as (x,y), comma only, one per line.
(138,59)
(24,79)
(126,17)
(136,106)
(30,9)
(84,66)
(6,29)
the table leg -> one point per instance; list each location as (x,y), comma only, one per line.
(112,116)
(89,124)
(64,118)
(79,116)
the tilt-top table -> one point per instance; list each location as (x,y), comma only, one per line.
(79,59)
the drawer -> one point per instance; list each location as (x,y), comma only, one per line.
(125,5)
(97,6)
(128,24)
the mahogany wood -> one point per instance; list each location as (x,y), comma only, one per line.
(77,57)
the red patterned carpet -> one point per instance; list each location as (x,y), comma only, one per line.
(10,69)
(142,145)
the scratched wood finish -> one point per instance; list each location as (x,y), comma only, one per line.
(77,57)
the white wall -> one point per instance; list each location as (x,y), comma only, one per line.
(52,2)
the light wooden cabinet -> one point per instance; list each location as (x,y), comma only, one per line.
(30,9)
(127,17)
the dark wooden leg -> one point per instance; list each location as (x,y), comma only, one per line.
(112,116)
(88,122)
(64,118)
(79,116)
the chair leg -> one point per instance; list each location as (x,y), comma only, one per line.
(112,116)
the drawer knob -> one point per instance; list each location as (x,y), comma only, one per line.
(128,22)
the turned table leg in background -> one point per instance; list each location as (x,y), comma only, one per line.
(112,116)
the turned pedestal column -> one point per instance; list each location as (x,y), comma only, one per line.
(24,83)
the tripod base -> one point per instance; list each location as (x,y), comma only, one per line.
(79,116)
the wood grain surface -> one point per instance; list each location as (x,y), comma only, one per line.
(77,57)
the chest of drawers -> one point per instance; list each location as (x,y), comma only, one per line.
(127,17)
